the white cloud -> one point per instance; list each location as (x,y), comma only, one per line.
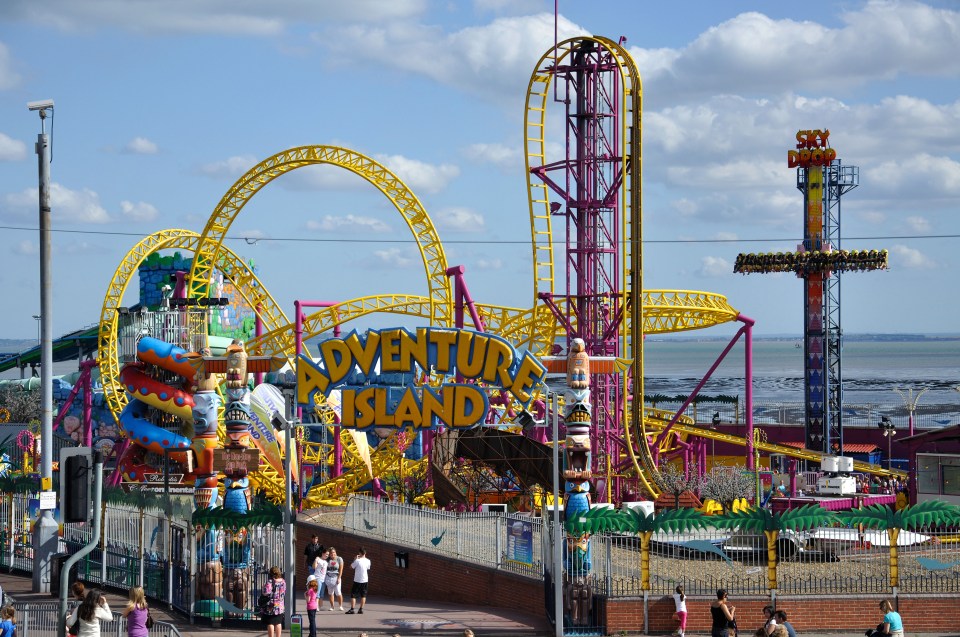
(910,258)
(419,176)
(726,236)
(459,220)
(714,267)
(141,146)
(395,258)
(8,78)
(231,167)
(500,155)
(140,211)
(873,217)
(921,177)
(78,206)
(12,149)
(881,41)
(348,223)
(918,224)
(489,60)
(189,16)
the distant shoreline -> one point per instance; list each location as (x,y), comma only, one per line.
(848,338)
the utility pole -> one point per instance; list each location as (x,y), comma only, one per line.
(45,530)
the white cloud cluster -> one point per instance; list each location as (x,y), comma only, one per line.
(420,176)
(66,205)
(141,146)
(459,220)
(231,167)
(490,60)
(910,258)
(12,149)
(753,52)
(394,258)
(347,223)
(233,17)
(140,211)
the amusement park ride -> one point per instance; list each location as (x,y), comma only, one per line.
(162,380)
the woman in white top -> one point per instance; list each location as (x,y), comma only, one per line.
(680,601)
(90,613)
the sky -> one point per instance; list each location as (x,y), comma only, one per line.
(161,106)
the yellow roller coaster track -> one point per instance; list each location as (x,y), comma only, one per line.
(335,491)
(108,337)
(431,250)
(657,424)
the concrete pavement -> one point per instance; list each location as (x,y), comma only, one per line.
(381,618)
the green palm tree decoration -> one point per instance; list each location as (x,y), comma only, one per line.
(673,520)
(910,518)
(229,520)
(771,523)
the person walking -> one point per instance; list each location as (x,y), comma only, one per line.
(723,616)
(361,576)
(275,589)
(137,613)
(680,603)
(90,613)
(892,622)
(312,596)
(334,575)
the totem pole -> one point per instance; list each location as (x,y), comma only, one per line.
(236,461)
(577,587)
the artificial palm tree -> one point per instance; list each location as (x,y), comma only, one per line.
(910,518)
(772,523)
(645,525)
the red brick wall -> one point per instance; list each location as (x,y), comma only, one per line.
(934,614)
(428,577)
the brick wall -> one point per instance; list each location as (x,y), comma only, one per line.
(428,576)
(934,614)
(432,577)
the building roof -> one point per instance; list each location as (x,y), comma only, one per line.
(66,348)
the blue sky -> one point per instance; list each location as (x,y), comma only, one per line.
(161,106)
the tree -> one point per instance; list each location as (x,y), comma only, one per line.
(726,485)
(474,478)
(23,405)
(771,523)
(672,479)
(409,485)
(911,518)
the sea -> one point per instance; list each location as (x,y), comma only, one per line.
(870,370)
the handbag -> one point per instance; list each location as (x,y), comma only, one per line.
(75,627)
(149,623)
(264,603)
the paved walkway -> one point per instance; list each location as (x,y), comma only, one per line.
(382,617)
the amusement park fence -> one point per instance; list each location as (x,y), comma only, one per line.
(36,619)
(138,548)
(828,561)
(856,415)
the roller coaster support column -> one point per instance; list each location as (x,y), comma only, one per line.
(557,528)
(747,330)
(337,468)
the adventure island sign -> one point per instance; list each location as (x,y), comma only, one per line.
(368,359)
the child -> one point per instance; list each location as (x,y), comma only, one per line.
(8,621)
(312,595)
(680,603)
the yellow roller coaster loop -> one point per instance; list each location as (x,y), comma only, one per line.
(108,338)
(431,250)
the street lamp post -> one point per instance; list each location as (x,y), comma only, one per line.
(889,431)
(713,441)
(911,403)
(37,318)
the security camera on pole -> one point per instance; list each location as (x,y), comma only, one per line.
(45,530)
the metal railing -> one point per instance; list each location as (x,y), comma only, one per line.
(482,538)
(39,619)
(825,561)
